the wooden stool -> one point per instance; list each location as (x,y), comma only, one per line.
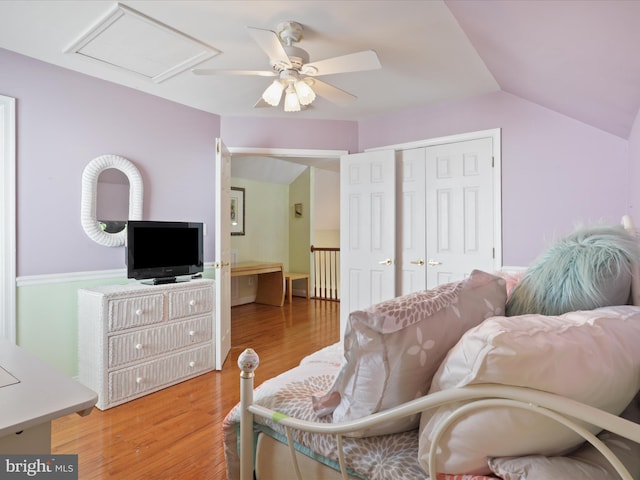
(290,277)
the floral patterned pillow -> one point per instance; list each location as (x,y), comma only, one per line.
(392,349)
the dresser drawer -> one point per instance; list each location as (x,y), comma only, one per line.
(135,381)
(194,301)
(136,346)
(130,312)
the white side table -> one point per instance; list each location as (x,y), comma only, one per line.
(32,394)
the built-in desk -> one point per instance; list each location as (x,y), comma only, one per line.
(270,280)
(32,394)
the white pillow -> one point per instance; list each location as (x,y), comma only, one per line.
(586,464)
(392,349)
(589,356)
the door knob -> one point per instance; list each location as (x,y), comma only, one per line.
(417,262)
(386,262)
(433,263)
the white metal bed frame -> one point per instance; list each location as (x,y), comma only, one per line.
(561,409)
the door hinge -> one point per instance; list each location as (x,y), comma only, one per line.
(493,252)
(493,162)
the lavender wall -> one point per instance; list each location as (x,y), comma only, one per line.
(556,171)
(297,133)
(65,119)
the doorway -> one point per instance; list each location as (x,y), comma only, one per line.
(281,180)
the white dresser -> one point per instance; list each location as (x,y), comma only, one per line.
(136,339)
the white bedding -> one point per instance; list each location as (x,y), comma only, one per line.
(387,457)
(376,458)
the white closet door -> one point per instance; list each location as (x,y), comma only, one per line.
(411,265)
(460,210)
(367,230)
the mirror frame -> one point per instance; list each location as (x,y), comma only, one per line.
(88,216)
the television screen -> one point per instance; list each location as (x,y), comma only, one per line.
(163,250)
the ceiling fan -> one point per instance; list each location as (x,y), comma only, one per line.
(297,78)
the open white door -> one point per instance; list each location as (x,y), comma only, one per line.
(223,253)
(367,230)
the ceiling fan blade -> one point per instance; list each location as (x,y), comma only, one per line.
(331,93)
(212,71)
(353,62)
(270,43)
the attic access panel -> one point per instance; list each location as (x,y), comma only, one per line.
(128,39)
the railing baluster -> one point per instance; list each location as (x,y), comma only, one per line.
(326,273)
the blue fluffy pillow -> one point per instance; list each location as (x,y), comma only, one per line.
(588,269)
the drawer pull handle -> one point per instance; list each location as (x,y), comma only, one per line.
(139,312)
(192,303)
(192,364)
(192,333)
(138,346)
(139,380)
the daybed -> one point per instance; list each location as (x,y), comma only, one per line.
(465,381)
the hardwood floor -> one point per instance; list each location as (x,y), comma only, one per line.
(176,433)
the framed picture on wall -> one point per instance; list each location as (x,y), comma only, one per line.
(237,211)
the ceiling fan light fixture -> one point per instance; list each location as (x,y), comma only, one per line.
(291,102)
(273,93)
(306,95)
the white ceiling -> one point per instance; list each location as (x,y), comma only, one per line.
(267,169)
(425,55)
(578,57)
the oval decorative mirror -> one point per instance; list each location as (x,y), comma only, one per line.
(108,233)
(112,200)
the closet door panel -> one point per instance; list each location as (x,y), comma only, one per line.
(460,208)
(410,265)
(367,240)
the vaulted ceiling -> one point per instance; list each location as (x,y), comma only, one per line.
(577,57)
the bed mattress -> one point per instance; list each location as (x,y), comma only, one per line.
(386,457)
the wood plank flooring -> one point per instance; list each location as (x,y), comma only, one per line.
(176,433)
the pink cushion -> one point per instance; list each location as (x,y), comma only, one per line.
(392,349)
(590,356)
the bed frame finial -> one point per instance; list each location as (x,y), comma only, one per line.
(248,361)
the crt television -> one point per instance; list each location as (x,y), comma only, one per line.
(158,252)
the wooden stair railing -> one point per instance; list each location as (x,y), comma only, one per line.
(326,273)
